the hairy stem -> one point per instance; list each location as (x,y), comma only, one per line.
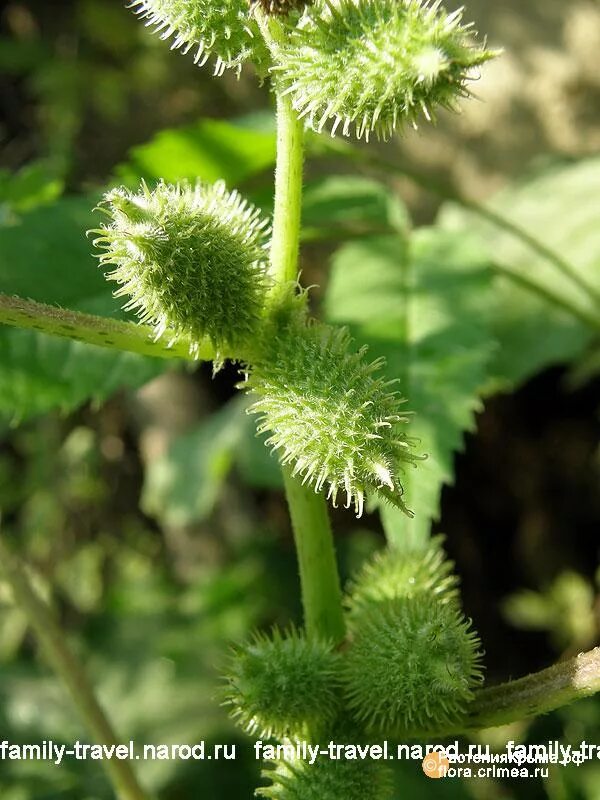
(62,659)
(537,693)
(321,593)
(288,193)
(285,242)
(88,328)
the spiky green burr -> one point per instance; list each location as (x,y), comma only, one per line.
(372,66)
(331,413)
(395,573)
(224,30)
(283,685)
(191,259)
(329,779)
(412,666)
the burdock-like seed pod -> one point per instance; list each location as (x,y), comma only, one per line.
(412,666)
(283,685)
(398,573)
(223,29)
(329,779)
(373,65)
(191,260)
(331,414)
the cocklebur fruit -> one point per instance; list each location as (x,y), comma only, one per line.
(411,667)
(221,29)
(395,573)
(191,260)
(372,66)
(331,414)
(283,685)
(329,779)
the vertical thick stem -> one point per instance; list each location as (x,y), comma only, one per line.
(321,593)
(71,672)
(288,193)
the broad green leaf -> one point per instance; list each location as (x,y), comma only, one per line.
(560,208)
(40,372)
(418,303)
(209,150)
(46,257)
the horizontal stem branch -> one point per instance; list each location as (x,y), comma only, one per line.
(62,659)
(91,329)
(537,693)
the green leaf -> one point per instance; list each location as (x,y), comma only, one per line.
(560,209)
(418,303)
(257,466)
(184,484)
(344,206)
(46,257)
(209,150)
(39,372)
(34,185)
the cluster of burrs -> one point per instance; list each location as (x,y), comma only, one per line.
(361,66)
(192,261)
(408,668)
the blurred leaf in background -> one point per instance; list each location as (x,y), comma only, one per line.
(556,207)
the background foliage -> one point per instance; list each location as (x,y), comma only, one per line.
(151,515)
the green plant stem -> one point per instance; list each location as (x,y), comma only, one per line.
(91,329)
(449,193)
(288,193)
(320,583)
(71,672)
(537,693)
(321,593)
(285,242)
(530,696)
